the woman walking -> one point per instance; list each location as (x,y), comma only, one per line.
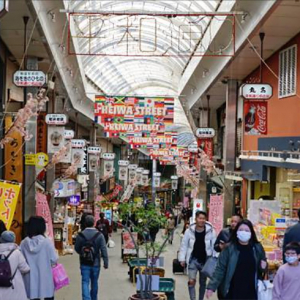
(40,254)
(10,251)
(240,265)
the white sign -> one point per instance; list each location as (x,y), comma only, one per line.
(138,176)
(197,206)
(29,78)
(156,179)
(94,162)
(174,182)
(132,167)
(56,138)
(78,143)
(257,91)
(123,163)
(205,133)
(78,157)
(94,150)
(123,172)
(108,167)
(69,134)
(108,156)
(131,175)
(56,119)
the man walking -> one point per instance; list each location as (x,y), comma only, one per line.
(225,235)
(90,245)
(103,226)
(196,247)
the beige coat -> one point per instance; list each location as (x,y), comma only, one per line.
(17,262)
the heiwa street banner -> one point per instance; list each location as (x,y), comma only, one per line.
(132,116)
(9,193)
(256,117)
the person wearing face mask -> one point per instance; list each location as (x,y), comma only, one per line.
(286,281)
(240,265)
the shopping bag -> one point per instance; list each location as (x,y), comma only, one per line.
(60,277)
(111,244)
(209,267)
(265,289)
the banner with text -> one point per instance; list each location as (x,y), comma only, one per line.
(216,212)
(256,117)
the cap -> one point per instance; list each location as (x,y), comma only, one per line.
(8,237)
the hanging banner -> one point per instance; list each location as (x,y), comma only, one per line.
(132,173)
(207,145)
(41,136)
(216,212)
(108,164)
(128,116)
(9,193)
(78,157)
(123,169)
(145,177)
(42,210)
(157,179)
(256,117)
(94,162)
(56,138)
(174,182)
(13,156)
(138,177)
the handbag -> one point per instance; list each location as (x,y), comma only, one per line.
(60,277)
(210,267)
(265,289)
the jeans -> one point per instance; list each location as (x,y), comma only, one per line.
(52,298)
(89,275)
(193,269)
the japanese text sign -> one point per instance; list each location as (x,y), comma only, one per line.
(257,91)
(9,193)
(256,117)
(74,200)
(78,143)
(205,133)
(56,119)
(29,78)
(216,209)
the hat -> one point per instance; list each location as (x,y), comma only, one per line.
(8,237)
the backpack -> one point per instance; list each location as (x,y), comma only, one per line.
(102,227)
(88,253)
(6,276)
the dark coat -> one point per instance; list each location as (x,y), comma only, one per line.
(223,236)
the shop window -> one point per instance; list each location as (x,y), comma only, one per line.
(287,71)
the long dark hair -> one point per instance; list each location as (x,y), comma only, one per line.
(253,239)
(2,227)
(36,226)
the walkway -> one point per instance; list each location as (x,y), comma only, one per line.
(114,282)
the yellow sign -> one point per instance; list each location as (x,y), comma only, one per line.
(40,159)
(9,193)
(30,159)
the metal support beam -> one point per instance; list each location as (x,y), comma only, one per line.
(154,168)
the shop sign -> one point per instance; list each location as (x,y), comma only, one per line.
(94,150)
(78,143)
(216,212)
(132,167)
(252,91)
(256,117)
(41,141)
(69,134)
(56,138)
(280,224)
(56,119)
(41,160)
(74,200)
(9,193)
(205,133)
(29,78)
(108,156)
(123,169)
(174,182)
(108,166)
(30,159)
(93,162)
(131,116)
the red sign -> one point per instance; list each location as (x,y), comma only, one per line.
(256,117)
(207,145)
(216,207)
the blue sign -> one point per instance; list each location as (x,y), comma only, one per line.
(74,200)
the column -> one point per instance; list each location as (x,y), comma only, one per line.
(230,144)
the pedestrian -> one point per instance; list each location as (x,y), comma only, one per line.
(40,255)
(18,266)
(82,221)
(286,281)
(103,226)
(292,234)
(2,227)
(91,246)
(225,234)
(170,228)
(240,265)
(196,247)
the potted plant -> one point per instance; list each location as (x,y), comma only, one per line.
(145,220)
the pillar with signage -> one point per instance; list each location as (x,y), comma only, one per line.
(94,153)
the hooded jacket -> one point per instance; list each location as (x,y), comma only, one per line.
(17,264)
(40,254)
(188,241)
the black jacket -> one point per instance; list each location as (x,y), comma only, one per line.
(100,245)
(292,234)
(223,236)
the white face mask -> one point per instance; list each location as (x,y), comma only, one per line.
(291,259)
(244,236)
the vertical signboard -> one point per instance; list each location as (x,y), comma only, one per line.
(216,212)
(256,117)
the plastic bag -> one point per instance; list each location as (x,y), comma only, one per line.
(111,244)
(265,289)
(60,277)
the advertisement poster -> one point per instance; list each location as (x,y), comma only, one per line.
(42,210)
(108,168)
(78,157)
(64,188)
(56,139)
(9,193)
(256,117)
(207,145)
(197,205)
(133,116)
(94,162)
(216,211)
(128,244)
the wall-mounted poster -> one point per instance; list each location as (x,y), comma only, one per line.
(78,157)
(123,169)
(56,139)
(256,117)
(156,179)
(94,162)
